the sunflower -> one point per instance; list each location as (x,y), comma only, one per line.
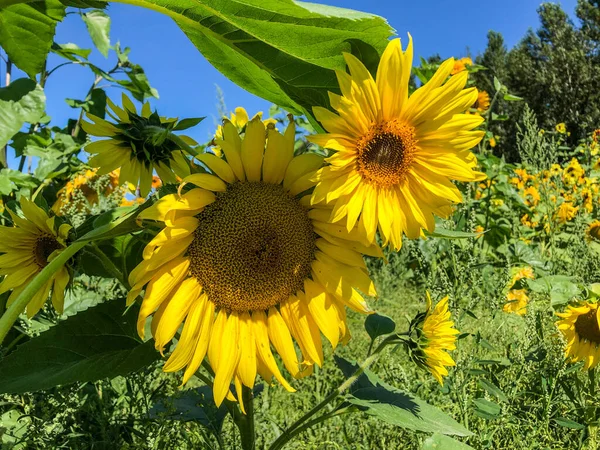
(138,144)
(561,128)
(482,103)
(516,302)
(593,231)
(580,325)
(436,336)
(239,119)
(395,155)
(26,249)
(245,262)
(567,212)
(573,173)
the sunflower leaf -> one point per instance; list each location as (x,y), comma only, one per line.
(281,50)
(98,25)
(441,442)
(396,407)
(22,101)
(98,343)
(27,31)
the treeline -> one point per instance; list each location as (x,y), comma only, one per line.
(555,69)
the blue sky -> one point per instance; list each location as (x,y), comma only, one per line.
(186,82)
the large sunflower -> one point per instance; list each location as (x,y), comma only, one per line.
(138,145)
(245,262)
(580,325)
(26,249)
(395,155)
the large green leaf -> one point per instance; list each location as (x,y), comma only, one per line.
(98,343)
(22,101)
(280,50)
(441,442)
(98,25)
(27,31)
(397,407)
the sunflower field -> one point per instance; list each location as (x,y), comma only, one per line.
(401,253)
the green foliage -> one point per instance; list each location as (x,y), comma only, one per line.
(22,101)
(27,31)
(98,25)
(98,343)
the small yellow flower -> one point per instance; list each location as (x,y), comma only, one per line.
(516,302)
(573,173)
(497,202)
(567,212)
(482,104)
(436,336)
(84,183)
(580,326)
(461,64)
(493,142)
(531,195)
(561,128)
(479,230)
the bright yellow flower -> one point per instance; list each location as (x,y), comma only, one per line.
(481,105)
(395,155)
(573,173)
(436,336)
(239,119)
(27,248)
(136,146)
(479,230)
(580,325)
(245,263)
(493,142)
(516,302)
(497,202)
(521,273)
(533,193)
(561,128)
(587,199)
(461,65)
(567,212)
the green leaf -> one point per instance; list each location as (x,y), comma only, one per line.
(486,409)
(138,83)
(193,405)
(70,51)
(283,51)
(441,442)
(378,325)
(512,98)
(497,85)
(112,223)
(492,389)
(397,407)
(184,124)
(98,25)
(450,234)
(22,101)
(568,423)
(27,31)
(98,343)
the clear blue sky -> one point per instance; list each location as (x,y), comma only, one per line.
(186,81)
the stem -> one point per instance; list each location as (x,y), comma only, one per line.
(289,433)
(109,265)
(14,311)
(245,422)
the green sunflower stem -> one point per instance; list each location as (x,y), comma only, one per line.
(18,306)
(245,422)
(298,426)
(109,265)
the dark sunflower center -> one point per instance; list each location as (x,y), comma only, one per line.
(148,143)
(253,248)
(386,152)
(586,326)
(595,231)
(43,248)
